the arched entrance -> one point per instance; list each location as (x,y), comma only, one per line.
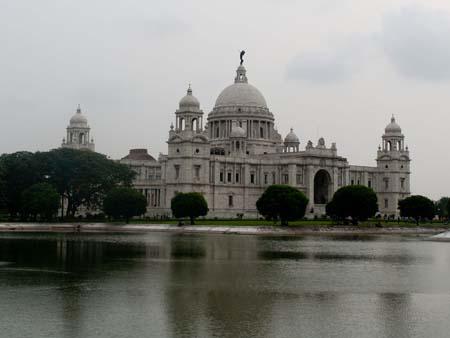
(322,187)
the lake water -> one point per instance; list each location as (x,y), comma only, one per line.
(171,285)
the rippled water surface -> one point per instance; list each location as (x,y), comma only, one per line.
(167,285)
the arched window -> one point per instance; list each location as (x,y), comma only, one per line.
(261,132)
(237,145)
(194,124)
(389,145)
(182,123)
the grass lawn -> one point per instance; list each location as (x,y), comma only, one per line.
(301,223)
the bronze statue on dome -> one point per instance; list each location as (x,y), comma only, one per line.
(242,56)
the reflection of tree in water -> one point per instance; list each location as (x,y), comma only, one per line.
(75,272)
(210,288)
(67,253)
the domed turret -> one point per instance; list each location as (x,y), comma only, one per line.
(78,120)
(78,133)
(291,137)
(189,102)
(189,116)
(393,139)
(393,127)
(291,142)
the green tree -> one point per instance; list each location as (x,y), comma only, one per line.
(42,200)
(191,204)
(442,207)
(282,202)
(448,208)
(2,188)
(19,171)
(124,202)
(84,177)
(356,201)
(417,207)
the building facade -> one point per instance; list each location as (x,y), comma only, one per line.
(234,154)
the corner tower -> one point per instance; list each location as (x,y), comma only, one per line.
(393,164)
(188,156)
(78,132)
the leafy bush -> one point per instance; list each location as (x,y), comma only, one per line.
(418,207)
(442,207)
(191,204)
(282,202)
(124,203)
(356,201)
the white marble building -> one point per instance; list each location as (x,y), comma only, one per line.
(234,154)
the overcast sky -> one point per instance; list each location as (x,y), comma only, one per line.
(337,69)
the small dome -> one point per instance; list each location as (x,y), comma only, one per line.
(237,131)
(189,101)
(78,120)
(393,127)
(291,137)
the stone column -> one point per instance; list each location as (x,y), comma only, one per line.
(310,185)
(292,170)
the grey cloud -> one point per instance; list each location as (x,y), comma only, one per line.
(416,41)
(335,64)
(156,27)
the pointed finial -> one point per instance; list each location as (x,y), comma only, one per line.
(171,126)
(79,109)
(393,118)
(189,91)
(292,129)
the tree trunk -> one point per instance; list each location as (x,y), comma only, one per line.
(62,206)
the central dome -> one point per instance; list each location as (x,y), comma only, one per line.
(240,93)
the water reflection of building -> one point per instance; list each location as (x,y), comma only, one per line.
(211,293)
